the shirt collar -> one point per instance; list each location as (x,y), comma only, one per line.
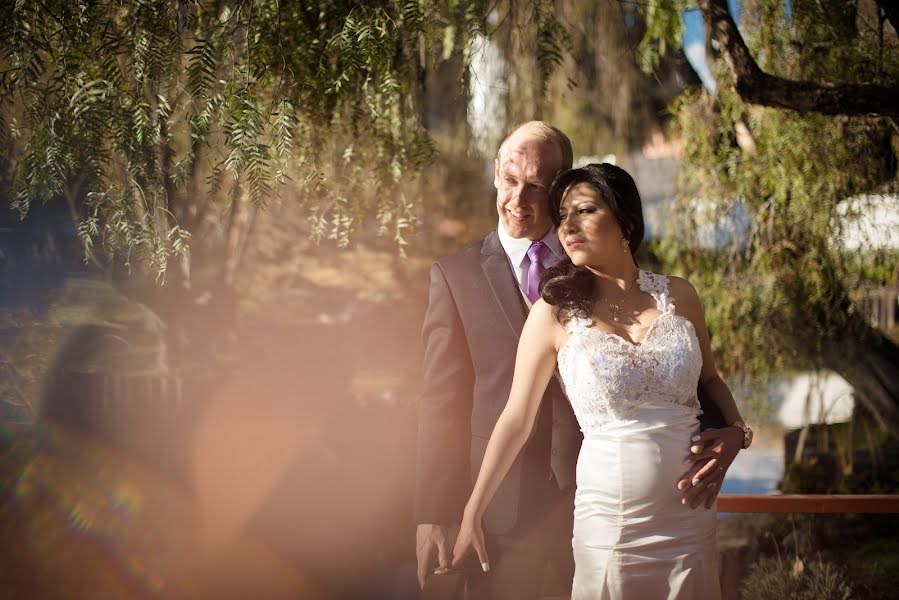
(517,248)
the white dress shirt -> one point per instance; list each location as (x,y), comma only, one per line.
(517,253)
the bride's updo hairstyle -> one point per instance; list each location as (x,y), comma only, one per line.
(572,289)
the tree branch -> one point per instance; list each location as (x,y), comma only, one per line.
(757,87)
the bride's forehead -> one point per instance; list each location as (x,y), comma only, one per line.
(580,192)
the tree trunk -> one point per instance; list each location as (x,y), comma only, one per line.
(872,368)
(239,222)
(890,11)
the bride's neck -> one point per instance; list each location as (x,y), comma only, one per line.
(616,278)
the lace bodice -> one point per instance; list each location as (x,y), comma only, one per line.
(608,378)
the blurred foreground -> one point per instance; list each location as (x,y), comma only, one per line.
(283,469)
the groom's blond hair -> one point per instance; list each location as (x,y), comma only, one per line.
(543,132)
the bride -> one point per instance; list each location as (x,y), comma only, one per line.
(630,347)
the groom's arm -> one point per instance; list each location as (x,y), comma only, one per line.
(444,414)
(444,429)
(711,416)
(712,452)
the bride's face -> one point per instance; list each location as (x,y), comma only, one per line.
(588,230)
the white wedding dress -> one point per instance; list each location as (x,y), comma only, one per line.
(637,407)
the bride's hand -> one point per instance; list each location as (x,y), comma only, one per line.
(471,536)
(711,454)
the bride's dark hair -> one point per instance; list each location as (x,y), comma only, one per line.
(572,289)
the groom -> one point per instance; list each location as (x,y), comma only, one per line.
(479,300)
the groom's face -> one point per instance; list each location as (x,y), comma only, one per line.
(524,171)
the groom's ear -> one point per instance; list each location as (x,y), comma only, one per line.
(496,173)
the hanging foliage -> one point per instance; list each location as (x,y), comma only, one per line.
(159,120)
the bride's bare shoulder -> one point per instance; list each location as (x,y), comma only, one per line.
(543,312)
(685,297)
(544,317)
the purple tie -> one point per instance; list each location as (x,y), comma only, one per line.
(535,253)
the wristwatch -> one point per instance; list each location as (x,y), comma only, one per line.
(747,433)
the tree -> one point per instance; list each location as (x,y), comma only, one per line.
(757,87)
(782,294)
(147,116)
(165,125)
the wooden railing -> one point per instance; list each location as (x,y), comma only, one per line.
(808,503)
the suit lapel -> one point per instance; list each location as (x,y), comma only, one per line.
(505,288)
(502,282)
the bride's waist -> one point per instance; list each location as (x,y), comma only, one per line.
(658,424)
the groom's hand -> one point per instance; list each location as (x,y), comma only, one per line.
(711,455)
(433,546)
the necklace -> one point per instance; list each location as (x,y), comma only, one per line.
(615,307)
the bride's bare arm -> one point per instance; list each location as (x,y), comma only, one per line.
(688,305)
(534,366)
(716,449)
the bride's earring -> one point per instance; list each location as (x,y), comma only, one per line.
(624,246)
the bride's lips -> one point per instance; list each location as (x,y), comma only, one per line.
(573,243)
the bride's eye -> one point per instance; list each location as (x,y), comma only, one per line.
(585,210)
